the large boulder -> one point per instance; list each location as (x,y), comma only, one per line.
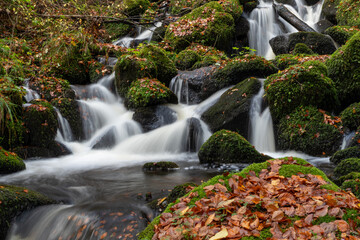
(232,109)
(317,42)
(300,85)
(226,146)
(147,92)
(235,71)
(351,152)
(16,200)
(154,117)
(311,131)
(344,70)
(41,123)
(10,162)
(208,24)
(341,34)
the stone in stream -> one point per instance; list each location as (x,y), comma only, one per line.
(10,162)
(351,152)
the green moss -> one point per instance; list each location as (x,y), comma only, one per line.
(160,166)
(14,201)
(324,219)
(226,146)
(305,130)
(347,166)
(300,85)
(351,116)
(50,88)
(353,185)
(352,214)
(284,61)
(302,48)
(186,59)
(264,234)
(136,7)
(344,70)
(351,152)
(341,34)
(350,176)
(348,13)
(117,30)
(148,92)
(218,31)
(10,162)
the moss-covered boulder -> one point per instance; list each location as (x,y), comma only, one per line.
(186,59)
(235,71)
(208,55)
(344,70)
(14,201)
(341,34)
(51,87)
(208,24)
(232,109)
(159,166)
(10,162)
(284,61)
(317,42)
(147,92)
(136,7)
(351,152)
(41,123)
(350,176)
(350,116)
(69,109)
(348,13)
(262,194)
(347,166)
(302,48)
(226,146)
(300,85)
(311,131)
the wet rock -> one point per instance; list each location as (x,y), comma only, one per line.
(329,10)
(55,149)
(322,25)
(108,140)
(151,118)
(159,166)
(195,135)
(311,2)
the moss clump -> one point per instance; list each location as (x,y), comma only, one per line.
(351,116)
(148,92)
(351,152)
(350,176)
(159,166)
(14,201)
(136,7)
(117,30)
(10,162)
(344,70)
(347,166)
(284,61)
(302,48)
(348,13)
(305,130)
(51,87)
(208,55)
(41,123)
(341,34)
(186,59)
(300,85)
(218,31)
(225,146)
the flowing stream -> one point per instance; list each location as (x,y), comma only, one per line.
(101,185)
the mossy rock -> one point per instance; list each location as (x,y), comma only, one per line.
(305,130)
(69,109)
(293,167)
(10,89)
(236,71)
(300,85)
(302,48)
(231,111)
(16,200)
(117,30)
(147,92)
(350,176)
(344,70)
(347,166)
(41,123)
(348,13)
(218,31)
(208,55)
(351,152)
(341,34)
(159,166)
(136,7)
(329,10)
(284,61)
(10,162)
(50,88)
(186,59)
(351,116)
(225,146)
(355,140)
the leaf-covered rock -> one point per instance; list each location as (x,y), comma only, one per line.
(341,34)
(348,13)
(284,61)
(225,146)
(10,162)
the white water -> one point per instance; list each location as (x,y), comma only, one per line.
(180,86)
(30,94)
(262,130)
(64,132)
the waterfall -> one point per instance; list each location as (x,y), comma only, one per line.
(30,94)
(347,139)
(64,132)
(262,130)
(181,89)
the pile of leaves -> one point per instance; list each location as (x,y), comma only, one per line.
(268,206)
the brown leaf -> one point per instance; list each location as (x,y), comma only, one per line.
(220,235)
(289,211)
(309,218)
(342,225)
(209,219)
(277,216)
(321,212)
(300,211)
(255,224)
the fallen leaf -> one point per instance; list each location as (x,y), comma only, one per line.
(220,235)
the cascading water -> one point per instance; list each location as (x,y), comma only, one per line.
(64,132)
(30,94)
(262,131)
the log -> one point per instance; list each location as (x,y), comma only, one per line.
(292,19)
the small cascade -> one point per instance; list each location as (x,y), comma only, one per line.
(262,131)
(30,94)
(64,132)
(309,14)
(347,139)
(181,89)
(146,35)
